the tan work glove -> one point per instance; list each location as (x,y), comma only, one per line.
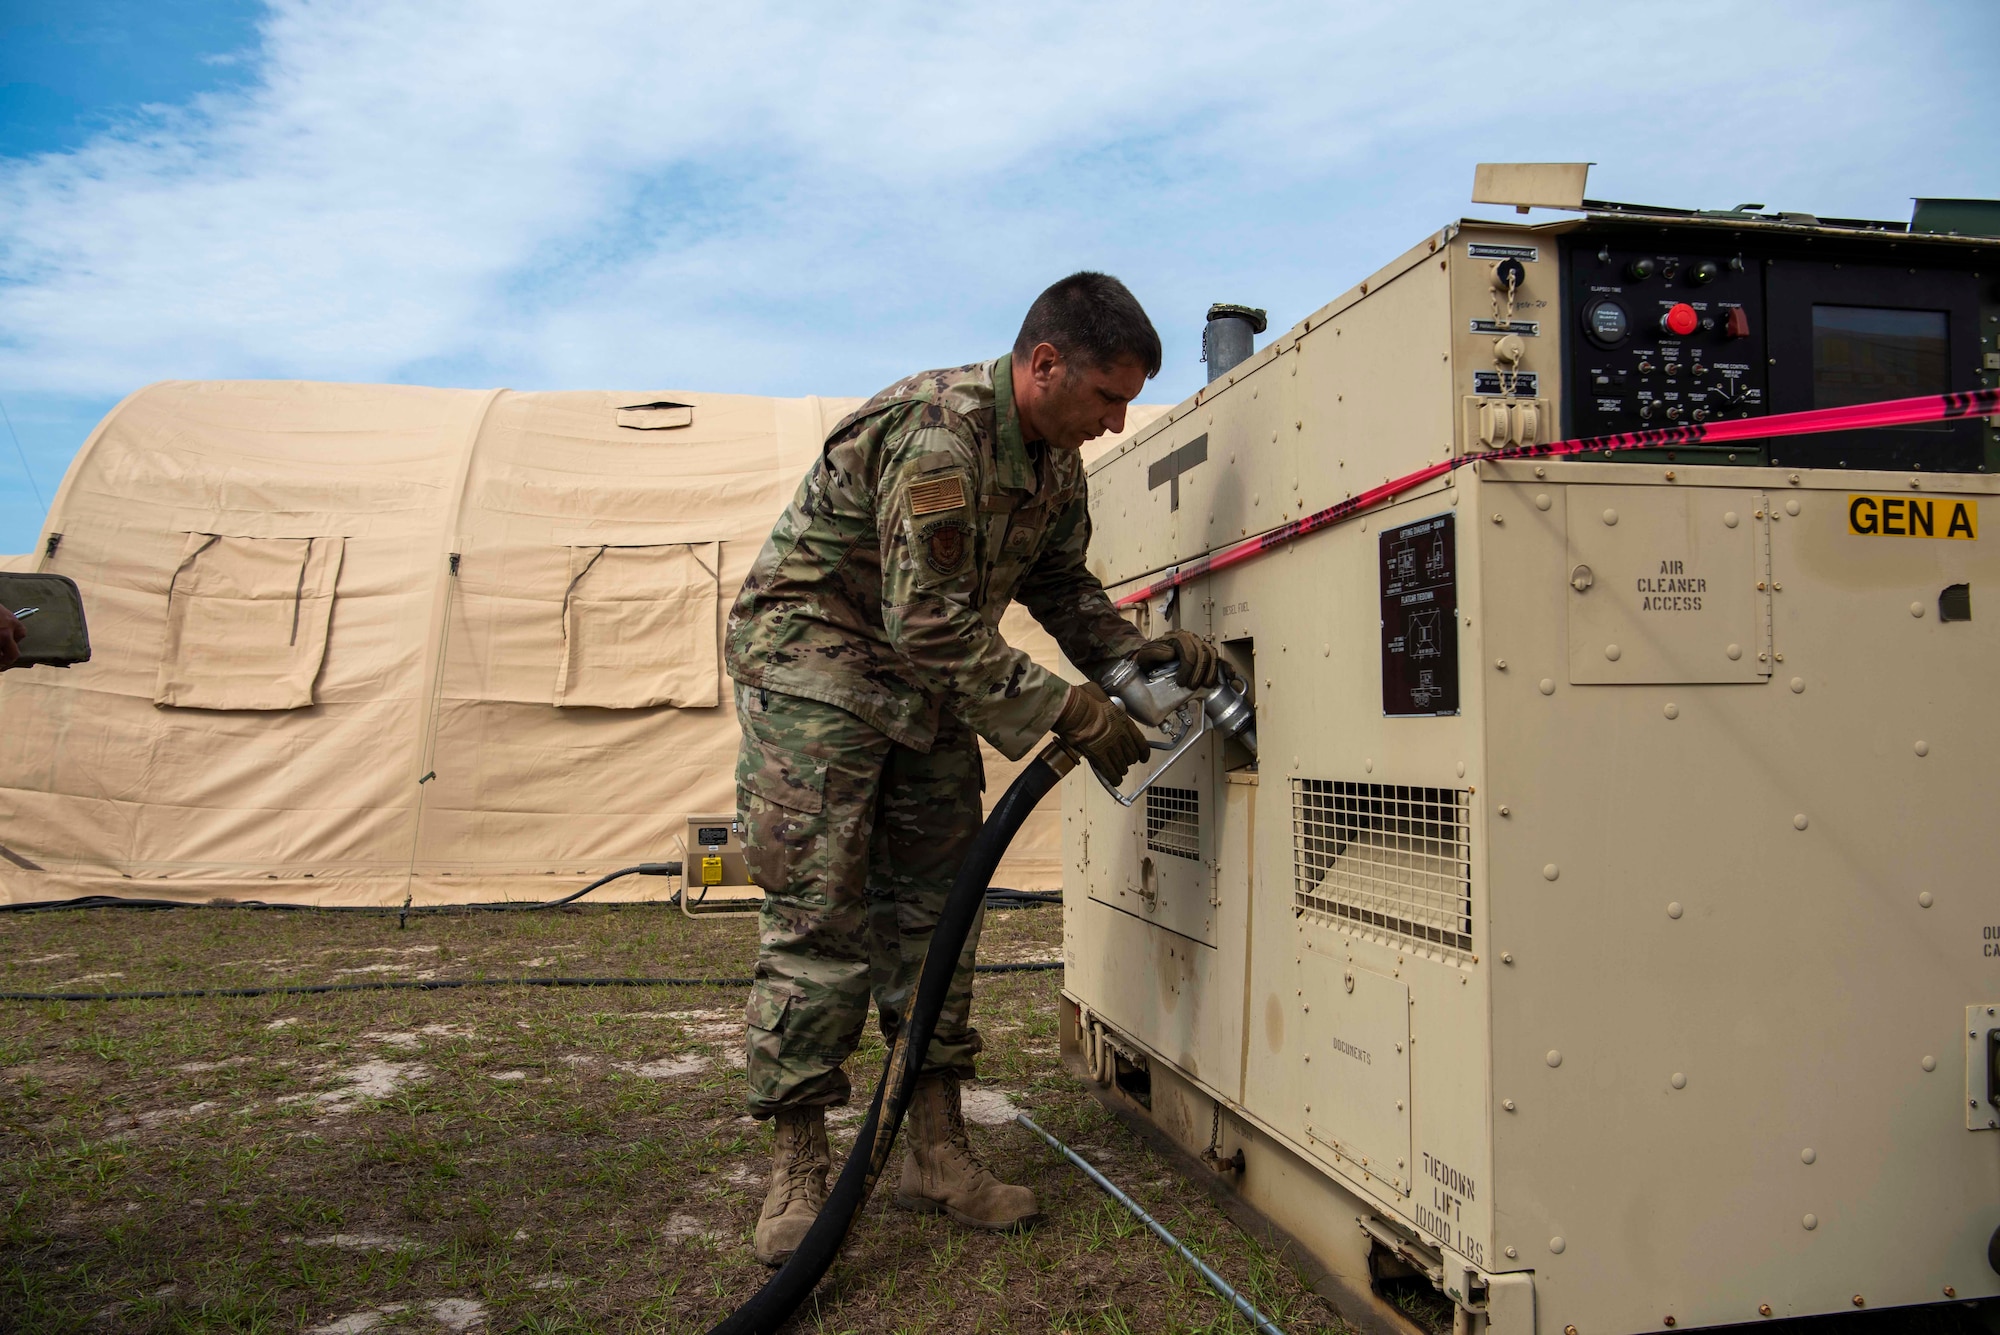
(1110,741)
(1198,658)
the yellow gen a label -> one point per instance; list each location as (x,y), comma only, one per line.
(1913,517)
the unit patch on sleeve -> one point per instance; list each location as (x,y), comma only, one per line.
(943,544)
(934,495)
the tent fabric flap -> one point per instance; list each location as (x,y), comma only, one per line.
(640,627)
(247,622)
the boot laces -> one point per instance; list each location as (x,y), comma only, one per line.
(798,1168)
(798,1184)
(956,1141)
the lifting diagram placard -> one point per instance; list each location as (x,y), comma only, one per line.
(1420,619)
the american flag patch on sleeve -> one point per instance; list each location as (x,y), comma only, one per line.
(936,494)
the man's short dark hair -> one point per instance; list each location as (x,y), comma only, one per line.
(1093,319)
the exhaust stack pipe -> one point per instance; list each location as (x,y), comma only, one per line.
(1229,337)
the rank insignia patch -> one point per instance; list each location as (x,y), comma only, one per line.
(944,545)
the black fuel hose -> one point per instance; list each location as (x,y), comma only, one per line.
(768,1308)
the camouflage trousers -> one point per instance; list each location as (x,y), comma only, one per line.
(855,840)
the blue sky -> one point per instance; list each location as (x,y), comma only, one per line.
(802,198)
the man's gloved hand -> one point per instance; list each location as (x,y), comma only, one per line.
(1199,658)
(1110,741)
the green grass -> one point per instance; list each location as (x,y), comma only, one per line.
(279,1163)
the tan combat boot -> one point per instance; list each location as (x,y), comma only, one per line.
(799,1162)
(941,1172)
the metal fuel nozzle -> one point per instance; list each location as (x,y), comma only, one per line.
(1155,699)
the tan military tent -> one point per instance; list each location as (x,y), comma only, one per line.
(358,642)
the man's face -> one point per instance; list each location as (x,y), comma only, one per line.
(1076,402)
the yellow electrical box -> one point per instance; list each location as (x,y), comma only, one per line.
(719,880)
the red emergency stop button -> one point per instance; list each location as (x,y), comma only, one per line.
(1680,320)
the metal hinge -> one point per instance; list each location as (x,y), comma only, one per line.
(1767,651)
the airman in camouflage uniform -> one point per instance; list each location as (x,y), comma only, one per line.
(867,657)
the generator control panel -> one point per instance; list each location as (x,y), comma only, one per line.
(1670,322)
(1665,338)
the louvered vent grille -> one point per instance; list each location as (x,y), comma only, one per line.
(1385,859)
(1173,822)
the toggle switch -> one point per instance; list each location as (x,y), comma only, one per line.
(1735,323)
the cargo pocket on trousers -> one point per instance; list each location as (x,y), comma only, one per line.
(767,1010)
(764,1026)
(781,795)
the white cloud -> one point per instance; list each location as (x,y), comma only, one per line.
(798,198)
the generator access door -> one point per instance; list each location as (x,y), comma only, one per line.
(1354,1048)
(1668,585)
(1157,861)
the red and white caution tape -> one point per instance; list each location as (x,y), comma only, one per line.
(1892,412)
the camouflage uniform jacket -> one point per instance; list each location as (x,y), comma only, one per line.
(881,588)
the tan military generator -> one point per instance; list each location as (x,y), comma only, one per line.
(1608,932)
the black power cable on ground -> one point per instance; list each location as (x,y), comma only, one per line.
(121,902)
(997,897)
(439,985)
(642,869)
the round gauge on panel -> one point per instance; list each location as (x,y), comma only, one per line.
(1606,322)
